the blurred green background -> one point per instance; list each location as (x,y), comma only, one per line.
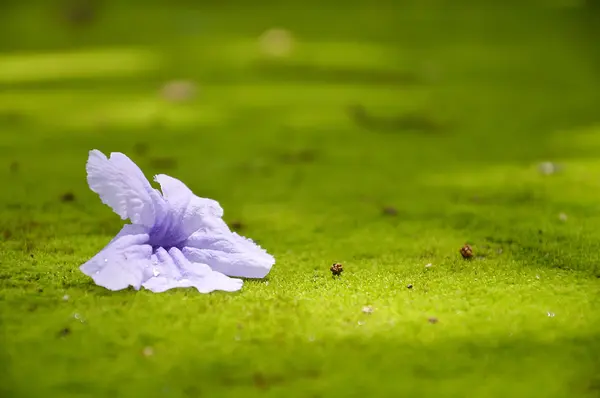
(381,134)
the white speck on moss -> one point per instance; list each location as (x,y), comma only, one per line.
(548,168)
(276,42)
(148,351)
(367,309)
(178,91)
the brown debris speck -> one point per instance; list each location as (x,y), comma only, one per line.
(260,381)
(390,211)
(14,167)
(80,13)
(300,156)
(67,197)
(466,251)
(140,148)
(237,225)
(337,269)
(409,286)
(64,332)
(432,320)
(164,163)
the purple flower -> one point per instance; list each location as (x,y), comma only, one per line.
(175,239)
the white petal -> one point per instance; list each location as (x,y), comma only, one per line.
(228,253)
(206,284)
(123,262)
(121,185)
(174,271)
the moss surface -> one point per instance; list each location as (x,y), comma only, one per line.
(384,141)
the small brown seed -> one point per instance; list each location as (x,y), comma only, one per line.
(466,251)
(337,269)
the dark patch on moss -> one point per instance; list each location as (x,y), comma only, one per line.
(264,382)
(28,246)
(64,332)
(237,226)
(140,148)
(62,250)
(164,163)
(11,117)
(415,121)
(14,167)
(301,156)
(260,381)
(191,391)
(339,75)
(492,239)
(80,13)
(390,211)
(67,197)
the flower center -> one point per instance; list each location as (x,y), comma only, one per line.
(167,233)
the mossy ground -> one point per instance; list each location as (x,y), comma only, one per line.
(440,112)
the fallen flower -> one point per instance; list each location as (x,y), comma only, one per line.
(175,238)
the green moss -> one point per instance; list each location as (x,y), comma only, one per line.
(276,142)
